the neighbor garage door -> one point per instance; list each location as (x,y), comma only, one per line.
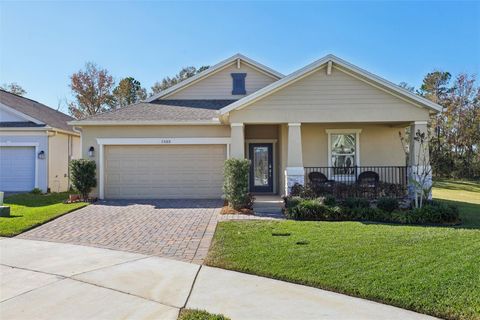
(164,172)
(17,168)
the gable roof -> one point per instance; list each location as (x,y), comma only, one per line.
(309,69)
(35,112)
(212,70)
(161,112)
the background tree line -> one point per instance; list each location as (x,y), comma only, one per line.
(95,90)
(454,133)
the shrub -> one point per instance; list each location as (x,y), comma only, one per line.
(433,212)
(312,209)
(235,184)
(292,201)
(36,191)
(329,201)
(353,203)
(297,190)
(387,204)
(83,174)
(309,209)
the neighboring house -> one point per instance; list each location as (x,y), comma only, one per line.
(36,145)
(328,114)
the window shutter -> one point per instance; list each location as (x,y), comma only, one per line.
(239,83)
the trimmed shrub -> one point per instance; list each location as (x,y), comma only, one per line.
(387,204)
(353,203)
(235,184)
(83,173)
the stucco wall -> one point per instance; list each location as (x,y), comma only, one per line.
(29,137)
(379,144)
(323,98)
(219,85)
(62,148)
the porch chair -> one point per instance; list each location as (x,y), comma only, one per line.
(368,181)
(318,179)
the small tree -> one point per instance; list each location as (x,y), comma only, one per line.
(83,176)
(420,178)
(235,185)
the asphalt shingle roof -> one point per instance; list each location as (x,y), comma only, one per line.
(24,124)
(165,110)
(37,110)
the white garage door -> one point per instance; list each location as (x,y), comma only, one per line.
(17,168)
(164,172)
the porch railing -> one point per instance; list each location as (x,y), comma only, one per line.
(358,181)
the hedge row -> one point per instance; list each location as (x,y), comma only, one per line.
(358,209)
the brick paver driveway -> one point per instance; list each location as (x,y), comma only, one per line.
(179,229)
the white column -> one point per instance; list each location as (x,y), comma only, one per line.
(294,172)
(237,147)
(419,159)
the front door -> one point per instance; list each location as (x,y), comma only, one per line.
(261,170)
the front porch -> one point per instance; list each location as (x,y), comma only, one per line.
(340,159)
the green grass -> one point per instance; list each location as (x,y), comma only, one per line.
(189,314)
(433,270)
(464,194)
(30,210)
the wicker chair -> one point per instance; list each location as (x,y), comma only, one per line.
(368,182)
(318,179)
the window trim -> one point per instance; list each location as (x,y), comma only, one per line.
(357,146)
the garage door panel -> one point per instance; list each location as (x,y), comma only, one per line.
(17,168)
(184,171)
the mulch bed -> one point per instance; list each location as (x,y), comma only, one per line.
(226,209)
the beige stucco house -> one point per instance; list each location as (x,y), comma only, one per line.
(328,115)
(36,145)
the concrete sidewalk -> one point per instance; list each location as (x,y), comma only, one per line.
(46,280)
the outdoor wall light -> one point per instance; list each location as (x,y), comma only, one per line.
(41,155)
(91,152)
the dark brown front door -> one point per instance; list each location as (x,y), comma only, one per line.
(261,170)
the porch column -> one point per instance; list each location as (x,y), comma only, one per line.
(237,147)
(294,172)
(419,158)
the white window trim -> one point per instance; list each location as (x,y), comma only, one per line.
(26,144)
(102,142)
(357,146)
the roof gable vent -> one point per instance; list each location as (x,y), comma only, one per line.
(239,83)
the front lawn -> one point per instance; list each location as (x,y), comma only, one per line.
(433,270)
(190,314)
(29,210)
(464,194)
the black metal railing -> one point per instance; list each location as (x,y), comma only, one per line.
(363,181)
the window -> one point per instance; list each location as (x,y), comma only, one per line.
(343,151)
(239,83)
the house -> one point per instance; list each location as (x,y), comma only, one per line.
(36,145)
(329,115)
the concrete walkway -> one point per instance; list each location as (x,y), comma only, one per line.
(46,280)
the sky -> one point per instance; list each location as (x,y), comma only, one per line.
(43,43)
